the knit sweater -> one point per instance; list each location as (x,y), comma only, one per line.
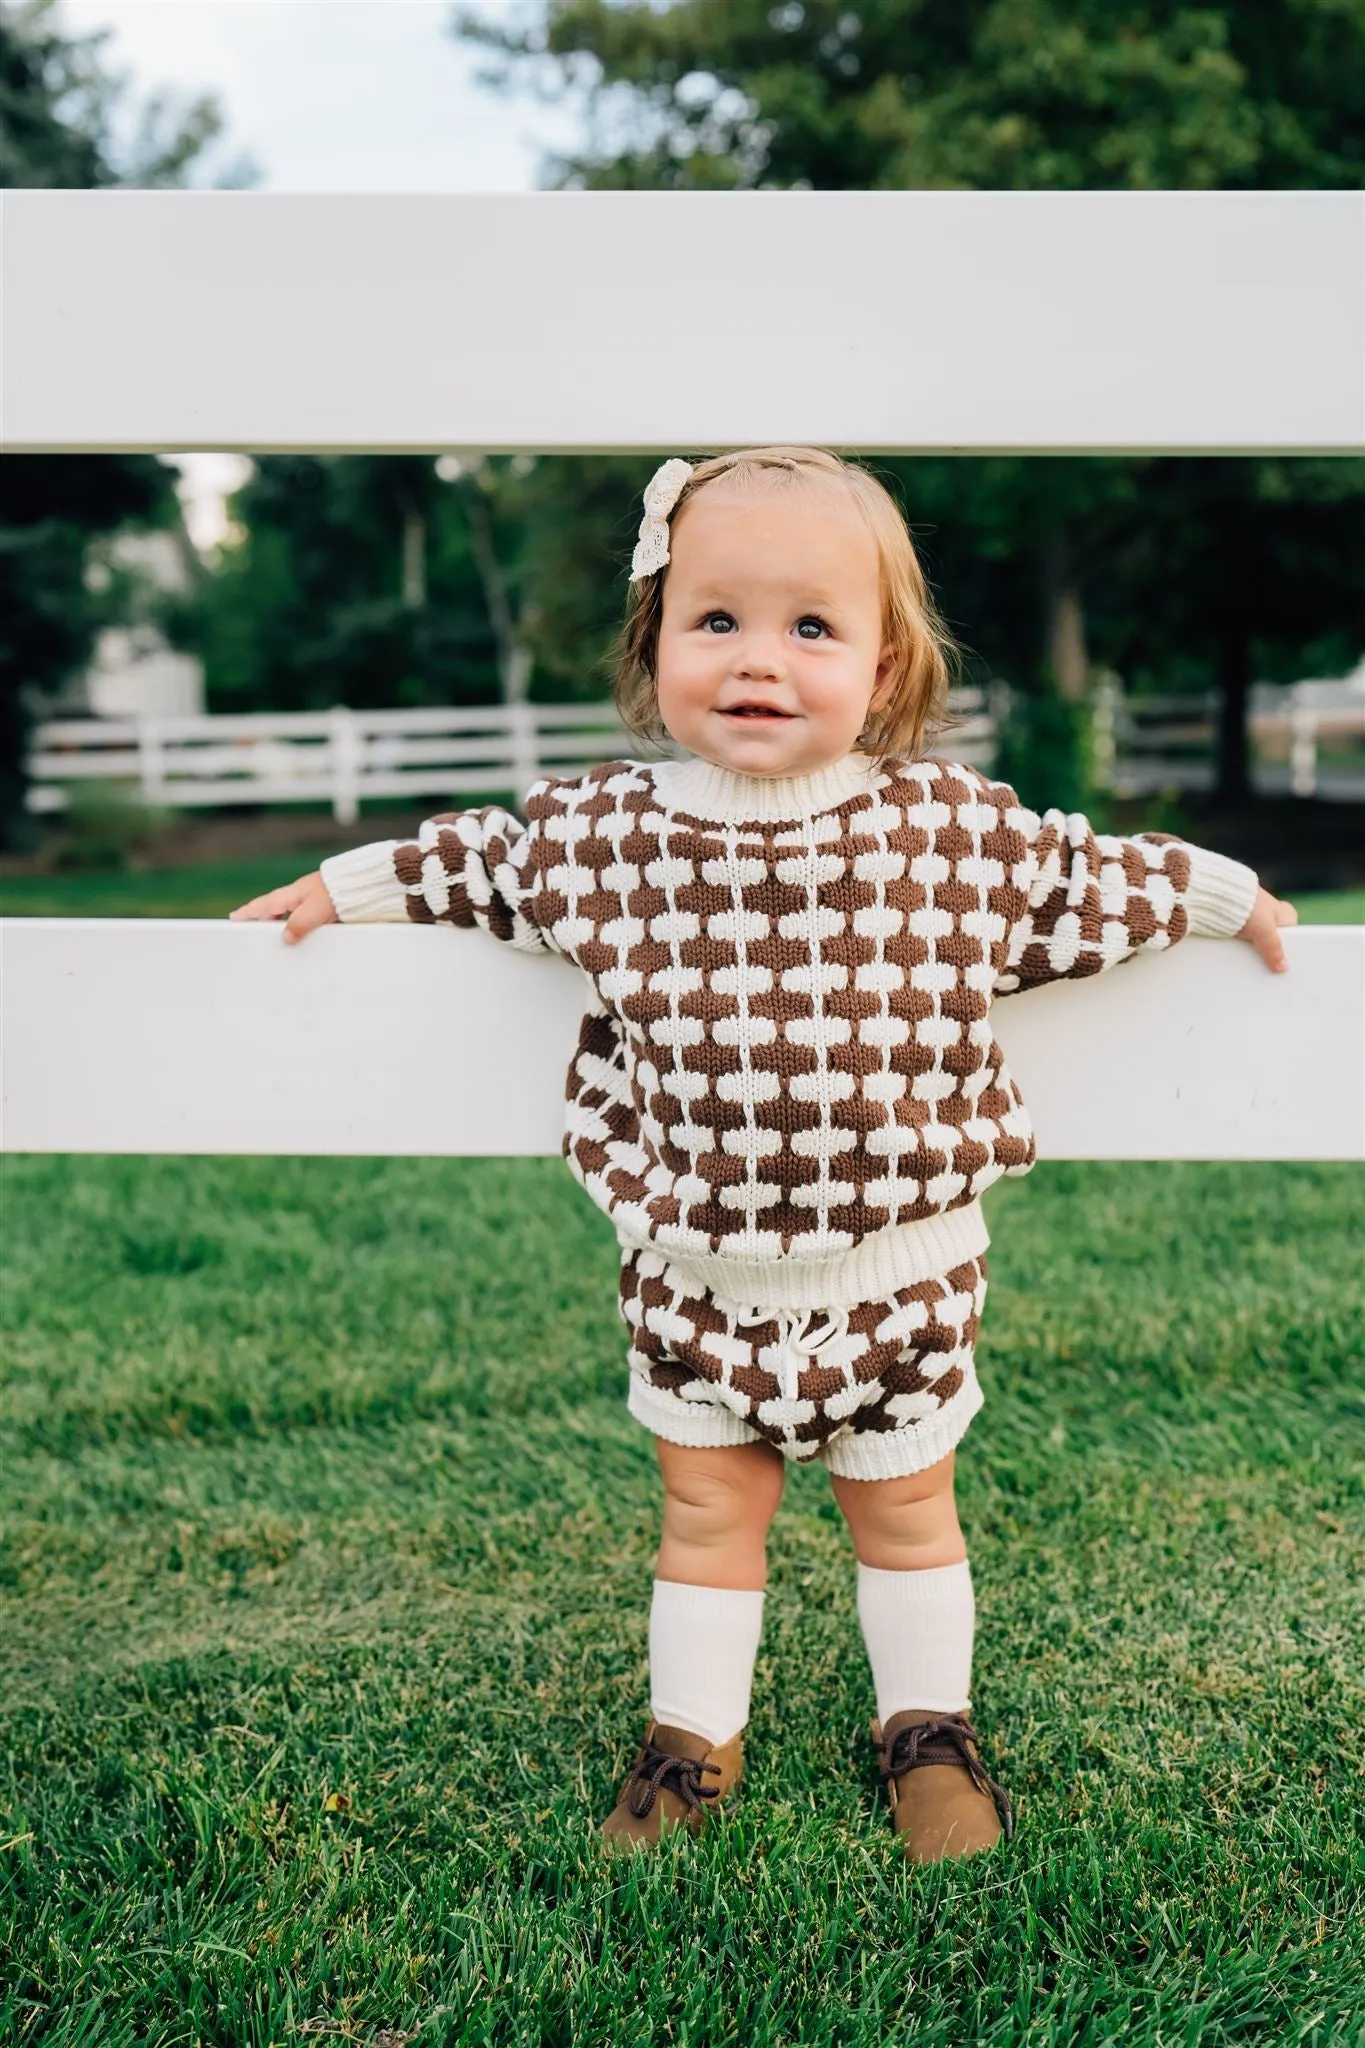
(786,1080)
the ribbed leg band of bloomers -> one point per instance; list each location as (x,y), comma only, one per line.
(918,1627)
(702,1644)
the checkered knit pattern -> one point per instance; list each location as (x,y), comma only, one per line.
(884,1389)
(787,1068)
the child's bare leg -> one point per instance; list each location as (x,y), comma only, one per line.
(717,1508)
(905,1524)
(707,1610)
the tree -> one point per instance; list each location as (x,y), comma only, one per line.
(58,107)
(354,583)
(1016,94)
(977,94)
(56,129)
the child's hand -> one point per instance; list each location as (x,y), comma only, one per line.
(1262,928)
(305,904)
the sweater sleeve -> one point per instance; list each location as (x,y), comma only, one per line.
(1082,901)
(464,868)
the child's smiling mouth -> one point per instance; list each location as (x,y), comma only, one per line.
(753,711)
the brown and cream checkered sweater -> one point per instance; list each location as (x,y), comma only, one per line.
(786,1081)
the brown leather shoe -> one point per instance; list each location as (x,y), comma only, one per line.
(677,1780)
(943,1803)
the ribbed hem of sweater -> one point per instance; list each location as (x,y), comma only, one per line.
(363,886)
(702,790)
(871,1270)
(1220,894)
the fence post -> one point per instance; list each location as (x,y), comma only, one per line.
(1104,729)
(344,762)
(1303,744)
(151,764)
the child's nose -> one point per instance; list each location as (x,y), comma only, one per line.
(759,658)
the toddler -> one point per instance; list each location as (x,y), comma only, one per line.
(785,1093)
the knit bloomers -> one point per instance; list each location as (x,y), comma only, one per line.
(875,1391)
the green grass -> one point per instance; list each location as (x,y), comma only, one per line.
(325,1599)
(209,889)
(1331,906)
(213,889)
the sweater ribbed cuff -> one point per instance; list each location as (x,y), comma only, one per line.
(363,886)
(1220,894)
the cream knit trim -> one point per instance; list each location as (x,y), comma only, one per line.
(872,1270)
(1221,893)
(702,790)
(915,1446)
(363,886)
(857,1454)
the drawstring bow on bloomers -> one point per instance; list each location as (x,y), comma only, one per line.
(798,1346)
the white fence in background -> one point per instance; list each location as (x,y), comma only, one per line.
(1307,739)
(343,757)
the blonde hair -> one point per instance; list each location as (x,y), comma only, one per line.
(925,654)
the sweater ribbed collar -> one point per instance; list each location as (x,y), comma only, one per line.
(703,790)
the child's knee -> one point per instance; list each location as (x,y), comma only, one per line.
(899,1523)
(715,1496)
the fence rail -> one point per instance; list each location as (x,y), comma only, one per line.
(343,757)
(174,1035)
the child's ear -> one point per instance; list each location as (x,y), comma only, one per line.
(888,666)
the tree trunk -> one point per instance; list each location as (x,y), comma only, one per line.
(514,659)
(1064,618)
(1234,682)
(414,561)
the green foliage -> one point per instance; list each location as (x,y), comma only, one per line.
(1185,574)
(105,824)
(991,94)
(309,609)
(325,1597)
(51,508)
(1045,752)
(57,106)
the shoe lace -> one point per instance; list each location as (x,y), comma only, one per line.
(656,1770)
(945,1739)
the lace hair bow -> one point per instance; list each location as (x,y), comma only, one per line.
(661,495)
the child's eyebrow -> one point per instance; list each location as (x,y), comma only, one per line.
(809,596)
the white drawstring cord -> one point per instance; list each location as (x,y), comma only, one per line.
(796,1345)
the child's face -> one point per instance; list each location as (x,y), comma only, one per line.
(770,645)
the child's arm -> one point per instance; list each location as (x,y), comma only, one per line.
(1084,901)
(463,868)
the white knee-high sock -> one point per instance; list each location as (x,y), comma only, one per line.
(918,1627)
(702,1644)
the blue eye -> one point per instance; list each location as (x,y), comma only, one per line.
(810,620)
(718,622)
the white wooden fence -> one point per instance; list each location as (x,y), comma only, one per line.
(340,757)
(154,1035)
(343,757)
(1103,321)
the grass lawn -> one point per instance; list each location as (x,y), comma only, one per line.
(325,1590)
(325,1601)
